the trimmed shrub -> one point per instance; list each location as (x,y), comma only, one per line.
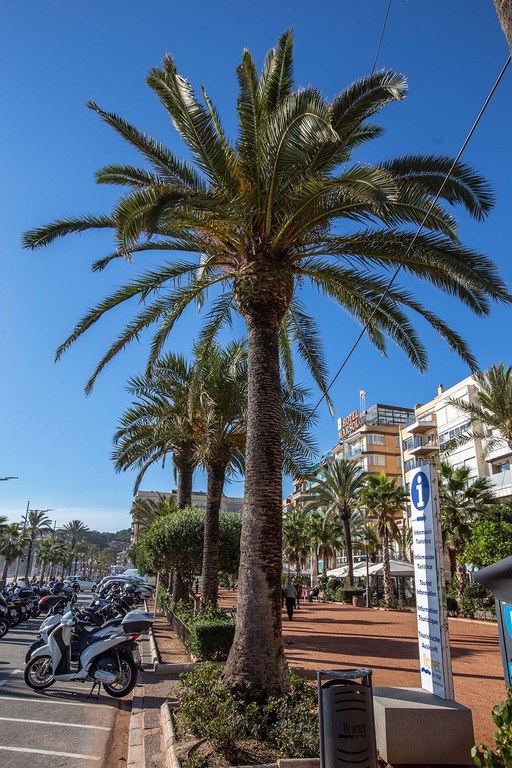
(211,639)
(345,594)
(476,598)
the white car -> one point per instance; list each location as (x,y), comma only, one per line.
(83,582)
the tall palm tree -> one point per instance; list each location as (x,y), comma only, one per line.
(338,492)
(160,423)
(491,416)
(75,532)
(37,523)
(13,543)
(384,500)
(260,216)
(58,554)
(461,502)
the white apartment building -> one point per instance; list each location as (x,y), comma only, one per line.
(437,422)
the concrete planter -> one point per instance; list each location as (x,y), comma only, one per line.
(359,601)
(179,627)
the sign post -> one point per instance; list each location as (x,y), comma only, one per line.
(433,640)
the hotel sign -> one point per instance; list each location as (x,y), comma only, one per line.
(433,640)
(349,424)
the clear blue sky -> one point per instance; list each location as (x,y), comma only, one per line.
(55,55)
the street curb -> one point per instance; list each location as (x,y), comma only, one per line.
(169,737)
(164,668)
(136,757)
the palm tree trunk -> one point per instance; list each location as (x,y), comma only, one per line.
(389,596)
(348,549)
(4,573)
(29,558)
(185,486)
(256,666)
(210,573)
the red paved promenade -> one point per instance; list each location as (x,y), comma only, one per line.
(334,636)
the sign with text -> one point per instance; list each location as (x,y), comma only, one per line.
(433,640)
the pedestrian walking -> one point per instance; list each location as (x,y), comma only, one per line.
(291,595)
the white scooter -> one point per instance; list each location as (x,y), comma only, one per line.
(108,661)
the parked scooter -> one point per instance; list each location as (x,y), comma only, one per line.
(103,661)
(5,624)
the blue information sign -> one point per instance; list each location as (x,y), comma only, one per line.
(420,491)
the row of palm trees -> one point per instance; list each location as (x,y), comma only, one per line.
(64,548)
(346,506)
(243,224)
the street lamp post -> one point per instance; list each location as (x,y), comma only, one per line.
(366,544)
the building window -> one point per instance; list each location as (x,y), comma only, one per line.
(408,444)
(399,461)
(445,437)
(376,439)
(377,460)
(397,442)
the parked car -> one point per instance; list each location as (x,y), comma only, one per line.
(83,582)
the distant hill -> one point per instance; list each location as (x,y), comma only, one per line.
(103,540)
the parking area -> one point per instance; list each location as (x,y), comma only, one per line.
(61,727)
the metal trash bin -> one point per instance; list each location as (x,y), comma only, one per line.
(498,579)
(347,726)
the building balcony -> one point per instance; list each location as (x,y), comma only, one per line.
(421,426)
(424,446)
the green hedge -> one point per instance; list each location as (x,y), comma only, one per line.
(345,594)
(211,638)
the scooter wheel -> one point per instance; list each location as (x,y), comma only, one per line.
(38,673)
(4,626)
(127,679)
(35,645)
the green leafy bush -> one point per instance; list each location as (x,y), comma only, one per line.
(209,710)
(484,756)
(476,598)
(164,599)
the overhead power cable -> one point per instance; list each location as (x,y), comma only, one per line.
(381,36)
(416,235)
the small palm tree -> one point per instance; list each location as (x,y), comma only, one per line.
(37,523)
(44,554)
(491,417)
(13,543)
(75,532)
(296,539)
(282,204)
(159,424)
(338,492)
(384,500)
(58,554)
(461,502)
(325,534)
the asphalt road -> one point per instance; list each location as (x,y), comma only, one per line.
(58,728)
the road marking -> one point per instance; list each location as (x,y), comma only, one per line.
(48,700)
(48,752)
(14,672)
(59,723)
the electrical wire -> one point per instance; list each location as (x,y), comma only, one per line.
(381,37)
(411,244)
